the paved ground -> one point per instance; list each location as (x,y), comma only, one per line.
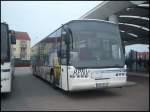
(142,74)
(31,93)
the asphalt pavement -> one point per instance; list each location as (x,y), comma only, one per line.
(33,94)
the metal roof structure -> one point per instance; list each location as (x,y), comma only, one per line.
(132,17)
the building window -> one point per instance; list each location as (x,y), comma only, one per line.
(23,43)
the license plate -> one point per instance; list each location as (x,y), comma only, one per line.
(100,85)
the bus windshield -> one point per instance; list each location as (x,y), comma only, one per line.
(96,44)
(4,43)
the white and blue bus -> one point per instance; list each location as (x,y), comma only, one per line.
(81,55)
(7,64)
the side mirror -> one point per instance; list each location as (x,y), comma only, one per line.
(65,37)
(13,39)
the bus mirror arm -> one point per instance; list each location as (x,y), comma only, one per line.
(69,36)
(66,37)
(72,40)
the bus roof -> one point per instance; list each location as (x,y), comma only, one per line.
(76,21)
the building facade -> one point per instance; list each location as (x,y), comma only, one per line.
(21,50)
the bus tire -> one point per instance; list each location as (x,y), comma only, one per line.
(53,80)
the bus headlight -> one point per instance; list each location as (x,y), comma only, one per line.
(120,74)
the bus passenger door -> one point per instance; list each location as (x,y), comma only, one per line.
(63,60)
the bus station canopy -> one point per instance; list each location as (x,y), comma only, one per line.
(132,18)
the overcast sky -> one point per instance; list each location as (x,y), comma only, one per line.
(40,18)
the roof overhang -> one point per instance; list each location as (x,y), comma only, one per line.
(133,18)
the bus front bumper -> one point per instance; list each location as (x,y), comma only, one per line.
(117,84)
(92,85)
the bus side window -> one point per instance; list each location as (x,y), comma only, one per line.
(58,35)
